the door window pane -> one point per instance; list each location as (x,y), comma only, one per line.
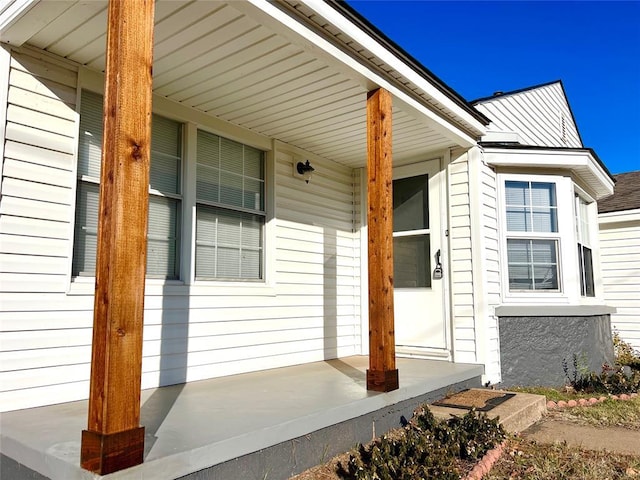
(411,203)
(411,261)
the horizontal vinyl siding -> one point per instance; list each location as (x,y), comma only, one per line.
(37,175)
(462,297)
(318,258)
(620,263)
(44,353)
(308,310)
(536,115)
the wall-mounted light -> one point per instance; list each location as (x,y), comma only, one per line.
(305,170)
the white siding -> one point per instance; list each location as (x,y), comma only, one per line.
(308,310)
(620,263)
(318,257)
(37,176)
(475,261)
(536,114)
(460,244)
(490,270)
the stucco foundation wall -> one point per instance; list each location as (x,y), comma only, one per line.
(533,348)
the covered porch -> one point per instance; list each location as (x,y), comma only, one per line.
(270,424)
(295,80)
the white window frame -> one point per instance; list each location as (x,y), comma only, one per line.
(153,193)
(192,120)
(242,210)
(588,217)
(566,262)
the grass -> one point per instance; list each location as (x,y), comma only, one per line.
(555,394)
(529,460)
(610,413)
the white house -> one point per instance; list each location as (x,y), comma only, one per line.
(250,267)
(549,293)
(619,221)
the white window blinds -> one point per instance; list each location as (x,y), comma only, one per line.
(230,212)
(164,198)
(532,235)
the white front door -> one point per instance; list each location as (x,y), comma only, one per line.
(419,273)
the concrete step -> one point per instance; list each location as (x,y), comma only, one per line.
(516,414)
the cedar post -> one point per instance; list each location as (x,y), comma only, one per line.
(382,374)
(114,439)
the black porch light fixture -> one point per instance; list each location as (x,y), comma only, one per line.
(305,169)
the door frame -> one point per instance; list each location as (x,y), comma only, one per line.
(440,165)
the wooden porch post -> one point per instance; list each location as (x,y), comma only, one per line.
(382,374)
(114,439)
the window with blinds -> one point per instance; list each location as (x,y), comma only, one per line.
(164,192)
(585,260)
(230,210)
(532,235)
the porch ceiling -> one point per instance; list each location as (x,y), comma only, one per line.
(224,59)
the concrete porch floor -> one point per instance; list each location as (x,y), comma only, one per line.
(263,425)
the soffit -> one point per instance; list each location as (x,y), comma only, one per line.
(219,60)
(375,61)
(582,164)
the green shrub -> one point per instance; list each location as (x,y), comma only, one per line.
(428,448)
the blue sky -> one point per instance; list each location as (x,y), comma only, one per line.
(481,47)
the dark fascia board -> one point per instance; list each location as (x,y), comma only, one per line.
(514,92)
(356,18)
(519,146)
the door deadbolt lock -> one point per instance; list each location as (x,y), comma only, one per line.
(437,272)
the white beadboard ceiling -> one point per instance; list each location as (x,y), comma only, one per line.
(217,58)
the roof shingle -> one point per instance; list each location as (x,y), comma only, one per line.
(626,194)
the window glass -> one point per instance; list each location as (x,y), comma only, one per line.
(532,215)
(411,261)
(531,207)
(585,260)
(230,213)
(164,202)
(411,203)
(533,264)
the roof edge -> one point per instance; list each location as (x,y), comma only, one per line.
(518,146)
(347,11)
(513,92)
(526,89)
